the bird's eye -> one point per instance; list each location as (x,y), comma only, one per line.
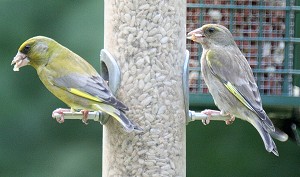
(26,49)
(211,30)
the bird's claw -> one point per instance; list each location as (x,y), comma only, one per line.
(85,114)
(209,113)
(61,119)
(206,121)
(230,120)
(59,111)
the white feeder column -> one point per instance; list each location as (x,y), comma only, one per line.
(147,39)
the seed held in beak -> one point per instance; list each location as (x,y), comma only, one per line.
(19,60)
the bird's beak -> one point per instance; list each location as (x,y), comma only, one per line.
(195,34)
(19,60)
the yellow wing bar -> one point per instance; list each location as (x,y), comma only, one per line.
(237,94)
(84,94)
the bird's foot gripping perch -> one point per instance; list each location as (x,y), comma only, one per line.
(61,114)
(231,120)
(210,112)
(85,114)
(58,114)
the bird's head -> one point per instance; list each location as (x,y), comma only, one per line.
(211,34)
(35,52)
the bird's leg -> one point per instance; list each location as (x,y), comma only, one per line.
(228,121)
(60,111)
(209,112)
(85,116)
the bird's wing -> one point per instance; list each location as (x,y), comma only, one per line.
(78,77)
(89,87)
(231,67)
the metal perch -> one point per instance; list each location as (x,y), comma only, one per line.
(93,115)
(200,116)
(99,116)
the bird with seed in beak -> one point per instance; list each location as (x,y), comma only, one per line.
(71,79)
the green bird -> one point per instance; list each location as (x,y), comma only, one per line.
(231,83)
(71,79)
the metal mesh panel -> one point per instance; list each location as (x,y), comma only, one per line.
(261,29)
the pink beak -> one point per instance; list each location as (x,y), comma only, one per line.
(193,35)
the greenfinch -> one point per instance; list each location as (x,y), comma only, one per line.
(70,78)
(230,80)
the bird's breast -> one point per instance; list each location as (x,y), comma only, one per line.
(223,99)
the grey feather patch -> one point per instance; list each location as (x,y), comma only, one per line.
(93,85)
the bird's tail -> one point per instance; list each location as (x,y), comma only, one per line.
(119,116)
(267,139)
(128,124)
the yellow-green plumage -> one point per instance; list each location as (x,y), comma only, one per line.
(71,79)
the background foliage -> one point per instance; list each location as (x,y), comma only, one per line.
(32,144)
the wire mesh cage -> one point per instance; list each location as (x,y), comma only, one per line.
(264,32)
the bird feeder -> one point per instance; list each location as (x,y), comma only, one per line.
(147,40)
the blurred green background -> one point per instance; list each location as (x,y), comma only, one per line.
(33,144)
